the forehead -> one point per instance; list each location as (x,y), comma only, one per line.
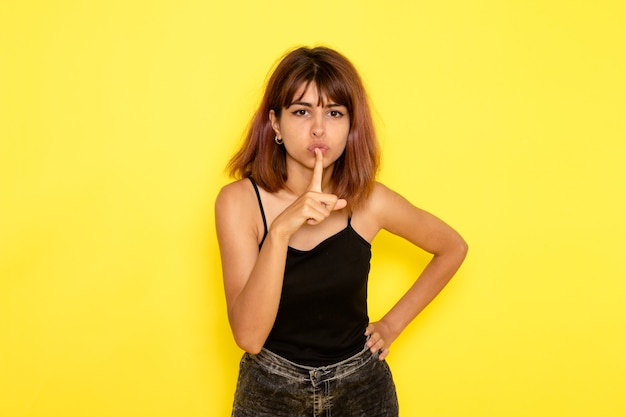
(310,92)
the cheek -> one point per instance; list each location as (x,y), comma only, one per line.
(342,130)
(347,127)
(343,142)
(346,133)
(292,129)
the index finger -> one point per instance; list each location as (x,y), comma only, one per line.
(318,169)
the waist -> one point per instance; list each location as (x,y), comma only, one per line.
(276,364)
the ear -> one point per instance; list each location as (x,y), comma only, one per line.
(275,123)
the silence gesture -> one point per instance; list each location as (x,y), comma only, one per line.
(312,207)
(318,170)
(326,203)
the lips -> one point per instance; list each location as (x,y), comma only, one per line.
(319,146)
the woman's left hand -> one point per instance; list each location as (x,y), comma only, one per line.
(379,338)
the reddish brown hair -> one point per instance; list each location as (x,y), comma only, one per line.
(354,173)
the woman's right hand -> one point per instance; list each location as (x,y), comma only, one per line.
(312,207)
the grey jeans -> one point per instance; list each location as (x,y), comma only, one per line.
(271,386)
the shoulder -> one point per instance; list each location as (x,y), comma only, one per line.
(381,190)
(235,198)
(237,214)
(382,199)
(392,211)
(235,192)
(375,213)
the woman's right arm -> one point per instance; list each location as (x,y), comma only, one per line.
(252,279)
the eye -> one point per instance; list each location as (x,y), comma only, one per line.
(335,113)
(300,112)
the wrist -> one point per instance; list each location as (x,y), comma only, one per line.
(391,327)
(278,236)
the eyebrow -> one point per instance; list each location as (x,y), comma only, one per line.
(307,104)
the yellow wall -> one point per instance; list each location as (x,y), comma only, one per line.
(506,118)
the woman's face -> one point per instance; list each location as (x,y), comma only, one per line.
(308,124)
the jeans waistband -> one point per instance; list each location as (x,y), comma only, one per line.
(278,365)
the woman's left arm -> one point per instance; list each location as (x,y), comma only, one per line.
(398,216)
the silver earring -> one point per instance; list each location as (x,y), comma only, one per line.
(278,140)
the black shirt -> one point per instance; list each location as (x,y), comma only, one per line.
(322,314)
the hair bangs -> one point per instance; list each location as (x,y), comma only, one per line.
(333,88)
(329,84)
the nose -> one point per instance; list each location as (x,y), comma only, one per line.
(318,126)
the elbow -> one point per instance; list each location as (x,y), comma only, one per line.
(463,248)
(249,335)
(251,348)
(456,251)
(249,343)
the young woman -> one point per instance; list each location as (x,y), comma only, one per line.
(294,232)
